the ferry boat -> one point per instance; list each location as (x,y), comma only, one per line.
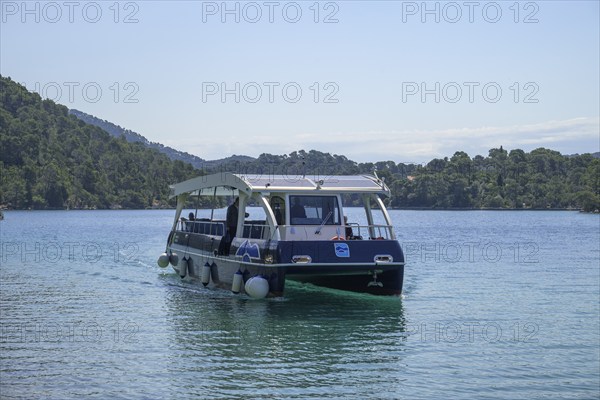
(302,234)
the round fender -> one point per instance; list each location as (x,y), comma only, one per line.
(257,287)
(163,260)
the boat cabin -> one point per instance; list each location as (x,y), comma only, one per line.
(295,208)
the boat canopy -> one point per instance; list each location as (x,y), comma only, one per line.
(227,184)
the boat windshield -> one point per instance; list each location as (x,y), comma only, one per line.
(314,210)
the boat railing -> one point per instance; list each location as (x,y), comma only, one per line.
(203,226)
(262,230)
(251,230)
(370,231)
(256,230)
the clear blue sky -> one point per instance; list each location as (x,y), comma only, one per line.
(374,58)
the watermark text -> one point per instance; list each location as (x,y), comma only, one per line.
(453,12)
(73,332)
(53,12)
(269,92)
(472,252)
(269,12)
(89,92)
(54,252)
(469,92)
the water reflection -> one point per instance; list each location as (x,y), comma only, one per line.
(312,337)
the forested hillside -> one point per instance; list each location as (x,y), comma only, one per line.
(173,154)
(134,137)
(540,179)
(504,179)
(50,159)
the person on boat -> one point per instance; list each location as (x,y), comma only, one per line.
(188,222)
(191,227)
(349,233)
(232,218)
(276,203)
(231,223)
(297,210)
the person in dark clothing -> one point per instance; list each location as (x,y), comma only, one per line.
(231,222)
(232,218)
(278,215)
(297,210)
(349,233)
(277,211)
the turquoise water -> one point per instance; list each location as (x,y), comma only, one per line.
(497,305)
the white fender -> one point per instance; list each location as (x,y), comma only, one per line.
(257,287)
(183,268)
(163,260)
(237,282)
(174,259)
(205,274)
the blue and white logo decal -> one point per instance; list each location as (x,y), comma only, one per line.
(341,249)
(248,251)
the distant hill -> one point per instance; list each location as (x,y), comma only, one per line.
(173,154)
(540,179)
(52,160)
(595,155)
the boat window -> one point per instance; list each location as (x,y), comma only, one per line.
(314,210)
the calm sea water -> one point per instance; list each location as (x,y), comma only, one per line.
(497,305)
